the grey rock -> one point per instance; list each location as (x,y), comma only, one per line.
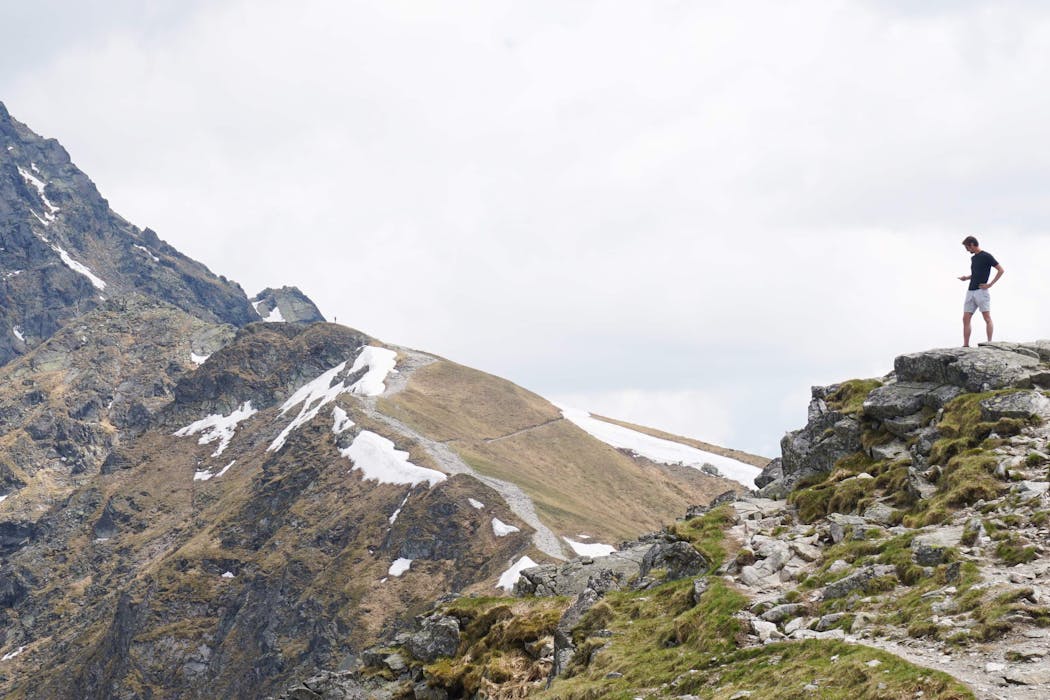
(880,513)
(423,691)
(1027,677)
(439,636)
(858,580)
(700,587)
(786,611)
(972,369)
(932,548)
(890,452)
(826,622)
(572,578)
(679,559)
(293,305)
(895,400)
(1022,404)
(904,426)
(843,527)
(770,473)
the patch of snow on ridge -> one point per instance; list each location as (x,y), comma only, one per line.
(380,363)
(39,185)
(509,577)
(313,396)
(378,460)
(275,316)
(216,427)
(77,267)
(502,529)
(148,252)
(341,421)
(399,566)
(393,518)
(585,549)
(198,359)
(323,390)
(475,504)
(18,333)
(13,654)
(659,450)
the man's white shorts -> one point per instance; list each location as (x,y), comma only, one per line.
(977,299)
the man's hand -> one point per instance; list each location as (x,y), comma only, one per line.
(985,286)
(965,277)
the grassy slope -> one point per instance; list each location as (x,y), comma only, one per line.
(579,484)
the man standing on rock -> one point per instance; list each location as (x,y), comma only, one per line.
(977,296)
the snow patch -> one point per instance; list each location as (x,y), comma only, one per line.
(228,574)
(324,389)
(313,396)
(198,359)
(206,474)
(18,333)
(380,362)
(148,252)
(584,549)
(275,316)
(502,529)
(659,450)
(217,427)
(78,267)
(341,421)
(378,460)
(393,518)
(399,566)
(476,504)
(39,185)
(13,654)
(509,577)
(4,497)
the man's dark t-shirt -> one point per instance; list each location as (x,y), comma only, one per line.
(981,265)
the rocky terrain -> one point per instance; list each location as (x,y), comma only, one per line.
(898,549)
(203,495)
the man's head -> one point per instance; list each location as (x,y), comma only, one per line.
(970,243)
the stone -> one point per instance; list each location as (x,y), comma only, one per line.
(1028,677)
(904,426)
(423,691)
(678,559)
(796,624)
(1021,404)
(890,452)
(765,630)
(826,622)
(439,636)
(700,587)
(844,527)
(571,578)
(779,613)
(858,580)
(895,400)
(880,513)
(932,547)
(805,552)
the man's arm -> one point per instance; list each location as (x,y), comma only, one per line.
(965,277)
(998,273)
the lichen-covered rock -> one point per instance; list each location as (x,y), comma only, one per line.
(1021,404)
(677,559)
(972,369)
(439,636)
(895,400)
(572,577)
(858,580)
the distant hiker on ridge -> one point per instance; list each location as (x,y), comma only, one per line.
(977,296)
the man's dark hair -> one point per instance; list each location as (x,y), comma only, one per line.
(970,240)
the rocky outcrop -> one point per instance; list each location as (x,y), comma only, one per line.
(905,405)
(286,304)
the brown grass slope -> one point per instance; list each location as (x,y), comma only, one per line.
(578,483)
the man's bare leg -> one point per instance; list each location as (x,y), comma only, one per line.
(988,323)
(966,328)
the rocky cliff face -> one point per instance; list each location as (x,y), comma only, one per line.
(63,251)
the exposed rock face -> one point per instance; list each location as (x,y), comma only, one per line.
(286,304)
(904,406)
(63,250)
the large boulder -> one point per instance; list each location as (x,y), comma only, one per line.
(899,399)
(827,437)
(571,578)
(439,636)
(973,369)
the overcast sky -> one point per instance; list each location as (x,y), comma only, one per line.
(678,213)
